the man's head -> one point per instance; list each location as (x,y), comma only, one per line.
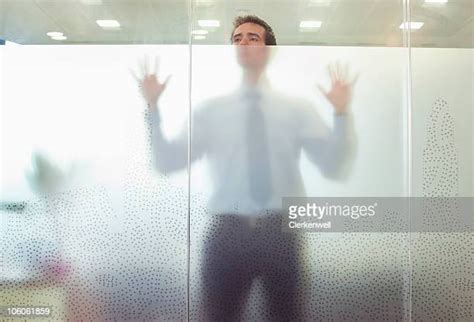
(252,35)
(260,33)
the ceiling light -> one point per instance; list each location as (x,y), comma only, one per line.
(200,32)
(54,34)
(92,2)
(59,37)
(203,2)
(199,37)
(411,25)
(310,24)
(436,1)
(319,3)
(209,23)
(108,23)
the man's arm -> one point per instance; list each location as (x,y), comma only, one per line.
(331,150)
(170,155)
(167,155)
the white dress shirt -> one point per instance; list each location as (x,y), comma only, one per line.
(218,135)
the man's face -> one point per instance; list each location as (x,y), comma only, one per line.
(251,49)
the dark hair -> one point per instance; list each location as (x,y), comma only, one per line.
(270,39)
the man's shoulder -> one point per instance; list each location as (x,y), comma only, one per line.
(219,100)
(215,104)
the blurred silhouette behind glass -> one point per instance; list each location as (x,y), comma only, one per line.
(252,140)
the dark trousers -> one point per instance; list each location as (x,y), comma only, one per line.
(240,249)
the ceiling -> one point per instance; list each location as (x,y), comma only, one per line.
(344,22)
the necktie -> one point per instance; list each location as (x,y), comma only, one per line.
(257,150)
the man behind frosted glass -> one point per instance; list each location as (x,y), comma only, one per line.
(252,140)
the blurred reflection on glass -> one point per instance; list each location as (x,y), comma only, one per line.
(252,140)
(85,224)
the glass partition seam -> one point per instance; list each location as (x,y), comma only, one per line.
(409,151)
(188,230)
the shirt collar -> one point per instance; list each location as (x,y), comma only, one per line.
(263,86)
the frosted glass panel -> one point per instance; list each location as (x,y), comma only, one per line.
(442,131)
(129,195)
(242,263)
(89,227)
